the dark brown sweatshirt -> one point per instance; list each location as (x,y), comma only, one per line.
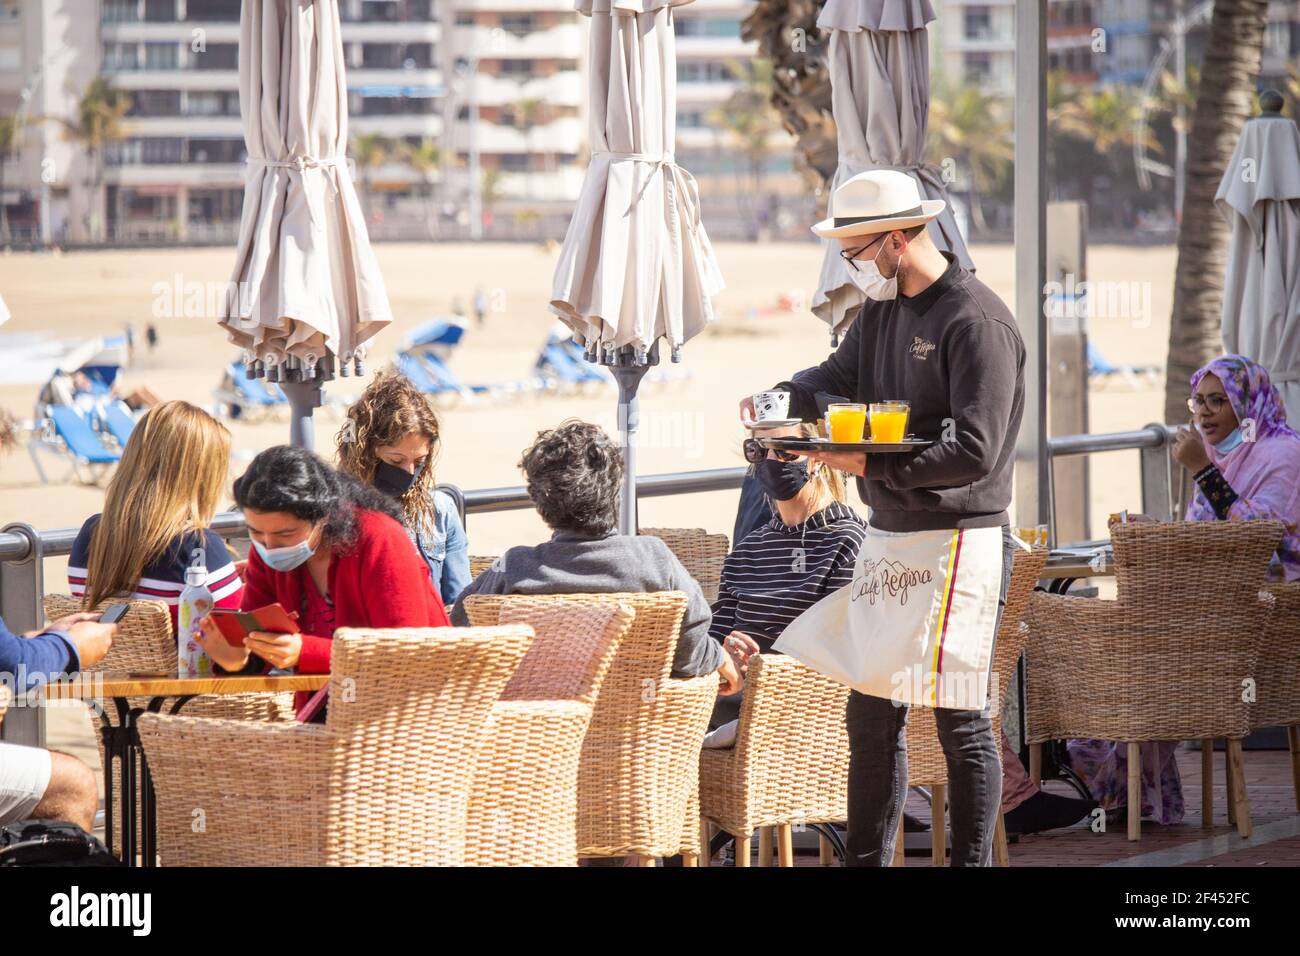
(955,353)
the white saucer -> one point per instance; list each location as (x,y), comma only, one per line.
(773,423)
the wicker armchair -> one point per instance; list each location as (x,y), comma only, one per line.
(638,781)
(790,764)
(926,764)
(699,552)
(385,781)
(523,804)
(1277,676)
(478,563)
(1168,659)
(4,701)
(144,645)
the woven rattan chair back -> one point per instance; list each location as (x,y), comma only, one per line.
(640,759)
(1171,567)
(408,708)
(572,650)
(790,764)
(1277,670)
(4,701)
(524,801)
(700,552)
(478,563)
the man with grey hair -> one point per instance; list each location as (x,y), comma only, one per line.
(574,474)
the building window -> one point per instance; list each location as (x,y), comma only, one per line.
(978,23)
(520,24)
(705,71)
(707,27)
(396,56)
(216,151)
(121,56)
(121,11)
(161,56)
(979,67)
(218,56)
(514,162)
(211,103)
(212,11)
(155,103)
(160,11)
(516,68)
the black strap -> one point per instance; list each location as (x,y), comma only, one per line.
(851,220)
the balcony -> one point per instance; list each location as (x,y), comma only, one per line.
(561,136)
(566,88)
(396,126)
(558,42)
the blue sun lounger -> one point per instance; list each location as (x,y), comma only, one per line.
(118,421)
(248,398)
(69,436)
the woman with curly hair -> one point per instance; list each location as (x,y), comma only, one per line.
(331,549)
(390,440)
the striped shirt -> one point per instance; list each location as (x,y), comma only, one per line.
(780,570)
(163,579)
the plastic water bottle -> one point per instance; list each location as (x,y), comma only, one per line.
(195,605)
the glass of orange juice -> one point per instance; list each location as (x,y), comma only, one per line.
(847,421)
(889,421)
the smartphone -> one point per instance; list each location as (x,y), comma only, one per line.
(114,613)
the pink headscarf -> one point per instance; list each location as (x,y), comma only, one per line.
(1264,470)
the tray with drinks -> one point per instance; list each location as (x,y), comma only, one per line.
(909,443)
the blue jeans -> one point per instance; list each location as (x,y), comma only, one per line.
(877,730)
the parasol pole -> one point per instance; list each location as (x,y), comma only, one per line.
(629,366)
(304,397)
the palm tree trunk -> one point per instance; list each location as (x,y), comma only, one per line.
(1232,58)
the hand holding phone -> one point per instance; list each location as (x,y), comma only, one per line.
(114,613)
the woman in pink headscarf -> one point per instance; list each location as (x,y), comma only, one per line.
(1245,460)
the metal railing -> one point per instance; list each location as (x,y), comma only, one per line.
(23,549)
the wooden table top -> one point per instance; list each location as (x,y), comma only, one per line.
(97,686)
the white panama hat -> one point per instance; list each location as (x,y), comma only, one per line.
(878,200)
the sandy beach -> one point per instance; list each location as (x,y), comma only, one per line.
(687,424)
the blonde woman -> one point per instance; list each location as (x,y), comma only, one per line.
(390,440)
(156,515)
(783,567)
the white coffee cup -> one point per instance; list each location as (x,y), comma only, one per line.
(771,406)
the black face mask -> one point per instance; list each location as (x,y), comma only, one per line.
(782,480)
(395,481)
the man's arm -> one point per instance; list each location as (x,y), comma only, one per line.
(838,375)
(52,652)
(983,364)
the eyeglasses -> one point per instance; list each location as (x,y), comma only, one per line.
(754,452)
(848,255)
(1213,402)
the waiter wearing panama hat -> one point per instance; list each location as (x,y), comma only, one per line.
(917,625)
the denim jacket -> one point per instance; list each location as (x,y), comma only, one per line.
(445,550)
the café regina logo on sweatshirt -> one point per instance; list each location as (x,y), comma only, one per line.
(921,348)
(887,579)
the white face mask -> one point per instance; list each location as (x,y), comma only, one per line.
(867,277)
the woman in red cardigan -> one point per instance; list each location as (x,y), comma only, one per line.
(331,549)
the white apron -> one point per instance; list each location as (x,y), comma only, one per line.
(918,622)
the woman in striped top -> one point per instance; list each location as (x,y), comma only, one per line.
(156,515)
(782,568)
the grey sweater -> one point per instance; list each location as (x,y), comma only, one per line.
(571,563)
(955,353)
